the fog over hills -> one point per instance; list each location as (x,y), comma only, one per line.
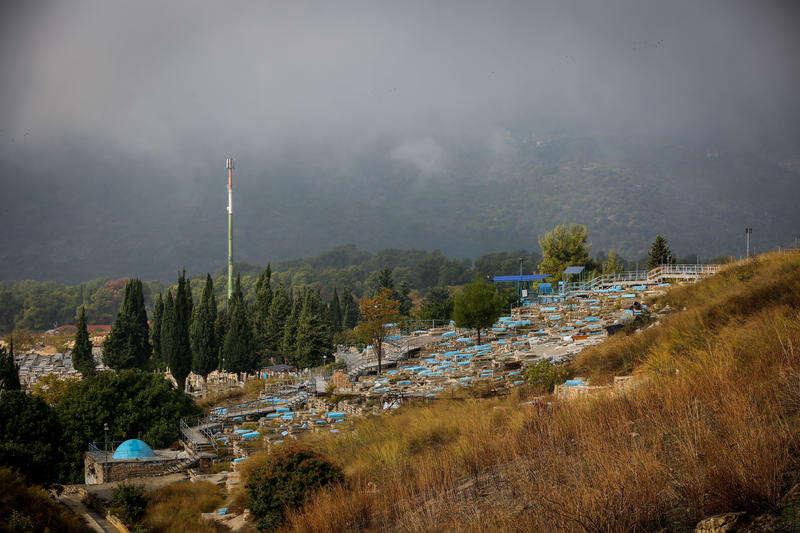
(464,126)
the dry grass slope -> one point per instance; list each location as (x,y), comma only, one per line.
(715,430)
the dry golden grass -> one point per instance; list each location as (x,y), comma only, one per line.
(177,507)
(714,430)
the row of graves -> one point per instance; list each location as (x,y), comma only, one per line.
(34,365)
(554,331)
(453,361)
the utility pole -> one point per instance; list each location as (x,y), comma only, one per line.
(747,232)
(519,283)
(229,166)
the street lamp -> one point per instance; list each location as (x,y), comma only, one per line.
(747,232)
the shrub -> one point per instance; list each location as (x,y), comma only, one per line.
(29,435)
(544,375)
(129,503)
(285,480)
(26,507)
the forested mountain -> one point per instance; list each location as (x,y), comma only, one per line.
(113,216)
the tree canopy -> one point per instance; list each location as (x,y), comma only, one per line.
(127,344)
(82,358)
(30,436)
(477,306)
(660,254)
(564,246)
(202,333)
(376,313)
(238,353)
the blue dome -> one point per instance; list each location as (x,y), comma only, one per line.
(133,449)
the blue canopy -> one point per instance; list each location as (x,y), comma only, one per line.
(574,270)
(524,277)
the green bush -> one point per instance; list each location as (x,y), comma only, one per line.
(285,480)
(129,503)
(544,375)
(135,404)
(30,436)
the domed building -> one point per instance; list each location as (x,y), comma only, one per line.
(131,459)
(133,449)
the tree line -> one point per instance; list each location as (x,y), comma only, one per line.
(37,306)
(276,326)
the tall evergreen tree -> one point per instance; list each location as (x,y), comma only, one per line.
(221,330)
(660,254)
(279,311)
(403,296)
(9,371)
(260,311)
(202,334)
(237,351)
(313,339)
(127,344)
(290,333)
(179,356)
(384,280)
(155,331)
(335,313)
(351,313)
(82,358)
(167,332)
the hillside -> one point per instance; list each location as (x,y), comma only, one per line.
(713,430)
(462,197)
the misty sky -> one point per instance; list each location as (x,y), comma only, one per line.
(162,92)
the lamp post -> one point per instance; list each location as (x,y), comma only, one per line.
(747,232)
(105,442)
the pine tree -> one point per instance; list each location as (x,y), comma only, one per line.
(237,352)
(335,313)
(313,339)
(82,358)
(279,311)
(9,371)
(179,357)
(660,254)
(260,312)
(127,344)
(155,331)
(350,311)
(202,334)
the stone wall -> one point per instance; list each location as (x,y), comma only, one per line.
(98,471)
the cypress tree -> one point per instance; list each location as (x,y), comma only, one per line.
(220,331)
(351,314)
(313,340)
(127,344)
(167,332)
(9,371)
(179,357)
(403,297)
(279,311)
(82,358)
(290,333)
(237,351)
(335,313)
(260,312)
(155,332)
(202,334)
